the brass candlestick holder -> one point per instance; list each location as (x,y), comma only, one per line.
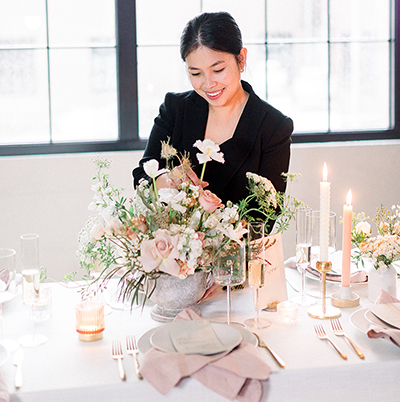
(325,312)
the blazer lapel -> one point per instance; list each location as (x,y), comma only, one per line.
(194,124)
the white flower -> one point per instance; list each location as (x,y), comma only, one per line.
(211,222)
(195,220)
(97,232)
(210,151)
(235,234)
(173,198)
(230,215)
(96,187)
(152,168)
(114,227)
(363,227)
(92,206)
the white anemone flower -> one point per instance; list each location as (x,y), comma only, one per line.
(173,197)
(151,168)
(210,151)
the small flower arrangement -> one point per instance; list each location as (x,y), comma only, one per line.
(174,231)
(384,248)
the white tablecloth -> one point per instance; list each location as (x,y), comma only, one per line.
(66,369)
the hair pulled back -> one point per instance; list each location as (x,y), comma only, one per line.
(216,31)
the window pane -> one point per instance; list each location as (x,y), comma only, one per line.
(360,86)
(360,19)
(297,19)
(81,23)
(24,101)
(83,94)
(156,78)
(161,22)
(297,79)
(22,23)
(254,72)
(249,16)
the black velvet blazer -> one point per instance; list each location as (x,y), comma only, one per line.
(260,144)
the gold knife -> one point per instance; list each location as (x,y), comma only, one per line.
(262,344)
(17,361)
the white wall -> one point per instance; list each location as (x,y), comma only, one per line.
(49,194)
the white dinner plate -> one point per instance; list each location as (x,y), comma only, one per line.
(3,355)
(317,278)
(373,319)
(229,337)
(144,344)
(359,321)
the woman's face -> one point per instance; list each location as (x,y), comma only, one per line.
(215,76)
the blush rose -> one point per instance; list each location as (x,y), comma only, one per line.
(209,201)
(160,253)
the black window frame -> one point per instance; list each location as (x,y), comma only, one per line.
(127,82)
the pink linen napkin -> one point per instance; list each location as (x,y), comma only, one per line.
(4,395)
(375,331)
(235,374)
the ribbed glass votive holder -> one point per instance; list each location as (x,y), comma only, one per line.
(90,320)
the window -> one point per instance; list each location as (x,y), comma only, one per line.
(72,79)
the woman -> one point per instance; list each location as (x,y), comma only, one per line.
(253,136)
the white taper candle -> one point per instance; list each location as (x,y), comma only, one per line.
(324,207)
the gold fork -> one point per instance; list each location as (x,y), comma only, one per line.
(132,349)
(338,330)
(319,330)
(118,355)
(262,344)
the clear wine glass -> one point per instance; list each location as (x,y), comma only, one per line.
(30,267)
(230,270)
(256,257)
(324,311)
(303,252)
(40,311)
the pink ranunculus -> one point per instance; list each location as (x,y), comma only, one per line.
(209,201)
(160,253)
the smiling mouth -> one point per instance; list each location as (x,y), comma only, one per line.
(214,95)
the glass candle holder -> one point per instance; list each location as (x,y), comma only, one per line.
(90,320)
(288,311)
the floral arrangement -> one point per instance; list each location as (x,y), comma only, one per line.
(384,248)
(175,230)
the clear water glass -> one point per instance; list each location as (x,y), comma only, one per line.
(256,257)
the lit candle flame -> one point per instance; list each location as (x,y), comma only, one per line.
(348,199)
(325,172)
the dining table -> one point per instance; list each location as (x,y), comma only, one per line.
(66,369)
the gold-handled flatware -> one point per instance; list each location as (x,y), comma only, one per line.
(262,344)
(319,330)
(338,330)
(132,349)
(118,355)
(17,361)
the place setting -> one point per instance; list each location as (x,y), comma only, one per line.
(191,346)
(379,320)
